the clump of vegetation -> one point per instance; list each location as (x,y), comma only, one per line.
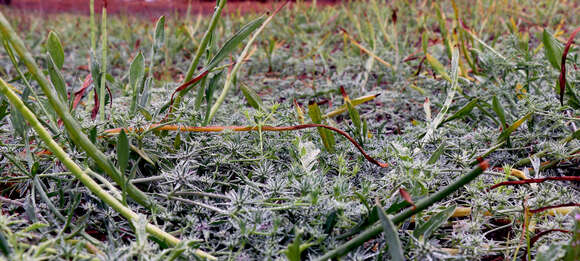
(371,131)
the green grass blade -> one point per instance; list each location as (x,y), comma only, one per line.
(466,109)
(205,40)
(391,236)
(55,49)
(235,41)
(424,231)
(252,97)
(57,79)
(136,74)
(326,136)
(553,49)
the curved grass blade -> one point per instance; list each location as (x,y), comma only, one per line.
(252,97)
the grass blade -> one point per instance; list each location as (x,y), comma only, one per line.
(391,236)
(325,135)
(55,49)
(424,231)
(136,75)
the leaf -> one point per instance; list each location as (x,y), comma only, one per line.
(136,74)
(498,109)
(233,42)
(18,123)
(437,154)
(506,133)
(553,49)
(355,102)
(35,226)
(438,67)
(55,49)
(331,221)
(252,97)
(424,231)
(391,236)
(57,80)
(159,33)
(299,112)
(352,112)
(466,109)
(122,151)
(326,136)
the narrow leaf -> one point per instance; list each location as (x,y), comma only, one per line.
(562,79)
(507,132)
(326,136)
(233,42)
(425,230)
(57,80)
(252,97)
(498,109)
(122,151)
(405,195)
(136,74)
(55,49)
(438,67)
(391,236)
(461,112)
(159,32)
(553,49)
(437,154)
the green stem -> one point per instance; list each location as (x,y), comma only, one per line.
(419,206)
(205,40)
(71,124)
(83,177)
(103,64)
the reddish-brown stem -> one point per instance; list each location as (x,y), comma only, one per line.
(252,128)
(554,206)
(540,234)
(540,180)
(562,79)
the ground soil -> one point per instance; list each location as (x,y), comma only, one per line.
(142,7)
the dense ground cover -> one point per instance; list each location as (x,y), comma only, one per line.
(439,92)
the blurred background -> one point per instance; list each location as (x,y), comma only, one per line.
(141,7)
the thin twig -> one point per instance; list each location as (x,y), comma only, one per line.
(252,128)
